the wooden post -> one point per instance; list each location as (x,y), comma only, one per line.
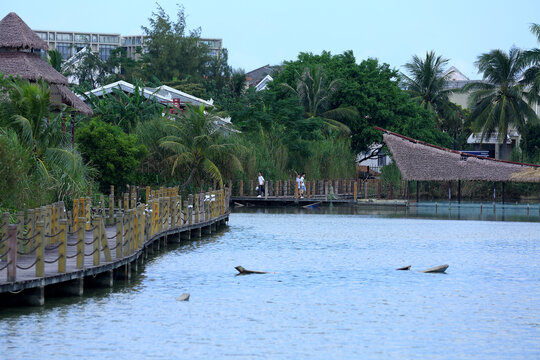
(62,238)
(40,248)
(179,211)
(127,231)
(185,212)
(142,224)
(391,196)
(105,241)
(241,189)
(102,205)
(20,230)
(12,253)
(251,187)
(366,187)
(417,191)
(155,216)
(31,228)
(190,209)
(88,205)
(502,192)
(96,239)
(119,236)
(355,191)
(148,194)
(54,224)
(48,224)
(126,201)
(379,189)
(80,243)
(296,190)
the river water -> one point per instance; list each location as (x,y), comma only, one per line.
(331,292)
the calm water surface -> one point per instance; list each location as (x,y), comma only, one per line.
(331,293)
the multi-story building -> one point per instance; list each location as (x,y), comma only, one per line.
(69,43)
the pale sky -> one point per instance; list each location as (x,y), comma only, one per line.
(257,33)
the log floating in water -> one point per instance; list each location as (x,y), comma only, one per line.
(437,269)
(311,206)
(183,297)
(243,271)
(408,267)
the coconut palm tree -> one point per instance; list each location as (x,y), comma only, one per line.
(428,85)
(499,102)
(196,144)
(314,92)
(532,74)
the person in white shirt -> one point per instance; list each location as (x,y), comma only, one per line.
(261,185)
(298,183)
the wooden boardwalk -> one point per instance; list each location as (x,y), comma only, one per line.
(93,250)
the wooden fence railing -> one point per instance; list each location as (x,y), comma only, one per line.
(341,188)
(52,235)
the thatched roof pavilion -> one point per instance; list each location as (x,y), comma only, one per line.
(17,43)
(426,162)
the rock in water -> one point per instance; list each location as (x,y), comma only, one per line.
(242,271)
(183,297)
(437,269)
(408,267)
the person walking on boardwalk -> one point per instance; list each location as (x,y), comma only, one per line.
(261,185)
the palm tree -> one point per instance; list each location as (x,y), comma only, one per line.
(314,93)
(55,59)
(27,112)
(499,101)
(428,85)
(196,145)
(531,77)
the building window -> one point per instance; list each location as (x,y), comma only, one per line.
(42,35)
(381,160)
(94,38)
(105,51)
(82,38)
(79,47)
(64,37)
(51,36)
(109,39)
(64,49)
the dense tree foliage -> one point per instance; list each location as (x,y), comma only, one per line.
(171,50)
(36,148)
(115,154)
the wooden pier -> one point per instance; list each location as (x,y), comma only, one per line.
(320,192)
(49,248)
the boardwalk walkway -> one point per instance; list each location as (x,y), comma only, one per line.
(83,249)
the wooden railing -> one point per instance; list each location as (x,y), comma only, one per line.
(323,189)
(52,235)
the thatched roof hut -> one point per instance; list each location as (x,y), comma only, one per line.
(14,33)
(426,162)
(17,41)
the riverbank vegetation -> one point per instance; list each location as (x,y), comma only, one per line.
(316,116)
